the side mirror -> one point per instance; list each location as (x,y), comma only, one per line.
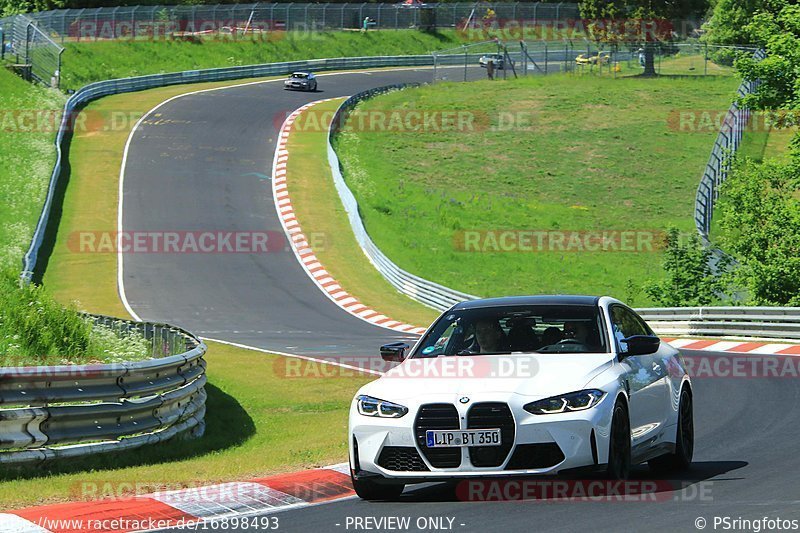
(394,352)
(641,344)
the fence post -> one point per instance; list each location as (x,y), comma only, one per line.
(545,58)
(58,71)
(466,62)
(114,21)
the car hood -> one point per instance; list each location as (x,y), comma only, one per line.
(534,375)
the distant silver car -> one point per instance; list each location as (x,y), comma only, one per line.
(498,60)
(304,81)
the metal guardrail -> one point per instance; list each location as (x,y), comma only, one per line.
(779,323)
(426,292)
(65,411)
(104,88)
(725,146)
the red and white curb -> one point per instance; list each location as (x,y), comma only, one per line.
(301,247)
(716,345)
(185,507)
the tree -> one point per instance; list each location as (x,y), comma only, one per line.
(760,223)
(778,32)
(728,26)
(690,278)
(640,21)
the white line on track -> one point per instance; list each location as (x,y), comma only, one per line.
(296,356)
(120,263)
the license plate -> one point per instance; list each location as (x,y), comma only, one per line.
(462,438)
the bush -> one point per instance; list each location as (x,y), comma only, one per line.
(760,223)
(690,278)
(36,329)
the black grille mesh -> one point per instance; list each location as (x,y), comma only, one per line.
(437,416)
(401,459)
(491,415)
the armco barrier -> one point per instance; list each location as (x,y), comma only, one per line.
(424,291)
(747,322)
(725,146)
(104,88)
(57,412)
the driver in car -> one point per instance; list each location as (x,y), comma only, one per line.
(576,330)
(490,337)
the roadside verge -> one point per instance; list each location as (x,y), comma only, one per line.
(306,197)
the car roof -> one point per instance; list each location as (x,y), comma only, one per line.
(550,299)
(305,72)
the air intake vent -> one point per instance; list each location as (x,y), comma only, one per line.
(491,416)
(401,459)
(533,456)
(437,416)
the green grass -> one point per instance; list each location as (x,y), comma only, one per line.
(320,212)
(34,327)
(257,423)
(600,155)
(95,156)
(257,418)
(26,160)
(760,143)
(85,62)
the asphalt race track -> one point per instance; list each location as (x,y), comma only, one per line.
(202,162)
(745,466)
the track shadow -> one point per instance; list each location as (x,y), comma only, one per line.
(642,485)
(227,425)
(56,209)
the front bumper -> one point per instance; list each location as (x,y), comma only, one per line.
(392,449)
(300,86)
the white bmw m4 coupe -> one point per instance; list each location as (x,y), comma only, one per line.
(524,386)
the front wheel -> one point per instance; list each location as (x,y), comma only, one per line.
(369,490)
(619,449)
(684,440)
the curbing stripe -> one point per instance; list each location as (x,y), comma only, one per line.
(188,506)
(751,347)
(302,250)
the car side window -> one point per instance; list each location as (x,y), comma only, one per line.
(626,324)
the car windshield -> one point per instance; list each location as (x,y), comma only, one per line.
(516,329)
(299,76)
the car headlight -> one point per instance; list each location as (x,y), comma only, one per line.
(369,406)
(574,401)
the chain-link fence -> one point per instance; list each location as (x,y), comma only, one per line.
(25,43)
(150,21)
(581,57)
